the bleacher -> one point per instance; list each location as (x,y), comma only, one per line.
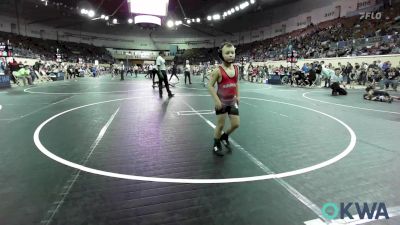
(346,36)
(35,48)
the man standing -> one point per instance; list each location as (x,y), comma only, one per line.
(347,72)
(174,71)
(187,72)
(162,75)
(122,68)
(326,75)
(136,69)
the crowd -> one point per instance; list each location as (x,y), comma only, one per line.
(44,71)
(379,73)
(35,48)
(346,36)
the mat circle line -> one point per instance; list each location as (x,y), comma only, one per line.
(45,151)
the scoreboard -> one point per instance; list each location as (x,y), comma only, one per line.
(59,58)
(292,57)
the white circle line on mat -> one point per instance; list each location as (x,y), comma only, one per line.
(45,151)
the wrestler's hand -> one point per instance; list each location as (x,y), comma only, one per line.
(218,104)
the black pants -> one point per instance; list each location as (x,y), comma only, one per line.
(347,75)
(336,89)
(69,75)
(162,77)
(13,78)
(327,82)
(122,75)
(153,75)
(241,72)
(149,72)
(362,79)
(173,74)
(136,73)
(187,74)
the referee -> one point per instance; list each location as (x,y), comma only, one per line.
(162,75)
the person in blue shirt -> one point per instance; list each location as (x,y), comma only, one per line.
(386,66)
(305,68)
(2,68)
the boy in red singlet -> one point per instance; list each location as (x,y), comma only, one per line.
(227,97)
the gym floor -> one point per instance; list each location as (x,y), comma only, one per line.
(108,152)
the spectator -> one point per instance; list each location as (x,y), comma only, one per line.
(391,76)
(337,81)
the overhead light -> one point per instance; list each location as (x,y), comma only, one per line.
(115,21)
(107,18)
(102,16)
(170,23)
(188,21)
(237,8)
(252,1)
(225,14)
(193,20)
(232,10)
(216,17)
(209,18)
(91,13)
(83,11)
(198,20)
(130,20)
(244,5)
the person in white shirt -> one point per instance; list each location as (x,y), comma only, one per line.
(187,71)
(162,75)
(122,70)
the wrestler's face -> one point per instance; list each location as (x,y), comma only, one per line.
(229,53)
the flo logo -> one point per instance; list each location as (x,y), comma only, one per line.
(371,15)
(376,211)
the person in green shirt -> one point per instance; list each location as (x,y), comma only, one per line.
(22,74)
(326,75)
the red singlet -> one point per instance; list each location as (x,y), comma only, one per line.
(227,88)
